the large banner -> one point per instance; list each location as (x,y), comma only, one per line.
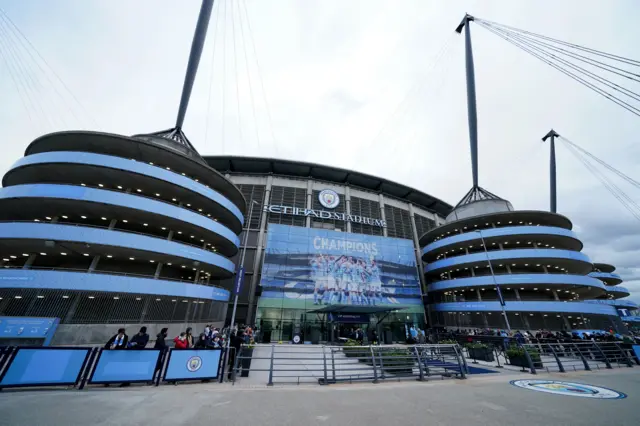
(305,268)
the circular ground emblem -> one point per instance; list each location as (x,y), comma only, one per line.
(569,388)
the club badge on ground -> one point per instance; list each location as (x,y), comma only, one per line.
(569,388)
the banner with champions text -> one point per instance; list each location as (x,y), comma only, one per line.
(306,268)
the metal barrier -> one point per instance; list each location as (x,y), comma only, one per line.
(269,364)
(570,356)
(77,367)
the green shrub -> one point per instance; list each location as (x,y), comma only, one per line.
(448,342)
(476,345)
(350,348)
(516,352)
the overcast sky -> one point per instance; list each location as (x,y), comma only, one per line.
(374,86)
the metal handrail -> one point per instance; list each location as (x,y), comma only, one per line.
(590,354)
(375,363)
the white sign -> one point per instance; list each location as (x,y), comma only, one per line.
(322,214)
(329,198)
(569,388)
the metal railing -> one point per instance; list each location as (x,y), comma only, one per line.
(553,356)
(269,364)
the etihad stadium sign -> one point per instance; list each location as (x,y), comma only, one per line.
(323,214)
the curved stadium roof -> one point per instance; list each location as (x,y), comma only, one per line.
(259,166)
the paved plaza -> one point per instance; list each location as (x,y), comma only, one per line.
(480,400)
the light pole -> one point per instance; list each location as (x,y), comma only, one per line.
(238,283)
(495,282)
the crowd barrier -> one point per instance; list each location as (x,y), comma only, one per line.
(82,366)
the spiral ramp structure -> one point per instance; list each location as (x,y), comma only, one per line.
(628,310)
(103,230)
(532,257)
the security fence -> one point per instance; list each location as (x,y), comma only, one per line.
(334,364)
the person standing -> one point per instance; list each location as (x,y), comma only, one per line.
(160,342)
(181,341)
(189,338)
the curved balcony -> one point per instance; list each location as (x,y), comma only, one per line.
(16,200)
(140,149)
(604,267)
(617,303)
(498,219)
(64,167)
(544,282)
(563,238)
(31,237)
(609,278)
(574,262)
(106,282)
(517,306)
(618,291)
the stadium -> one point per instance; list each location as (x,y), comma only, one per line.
(101,231)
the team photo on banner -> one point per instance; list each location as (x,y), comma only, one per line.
(306,267)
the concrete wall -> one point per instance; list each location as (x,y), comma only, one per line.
(98,334)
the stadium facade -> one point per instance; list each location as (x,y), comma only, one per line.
(101,230)
(330,249)
(491,266)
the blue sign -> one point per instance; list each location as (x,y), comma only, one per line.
(239,279)
(125,366)
(45,366)
(28,328)
(630,318)
(349,318)
(305,268)
(193,364)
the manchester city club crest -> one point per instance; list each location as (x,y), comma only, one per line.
(194,363)
(329,198)
(569,388)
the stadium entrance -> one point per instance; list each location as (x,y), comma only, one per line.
(355,322)
(318,285)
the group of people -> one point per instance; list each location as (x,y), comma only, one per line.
(415,336)
(532,337)
(120,340)
(345,280)
(209,338)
